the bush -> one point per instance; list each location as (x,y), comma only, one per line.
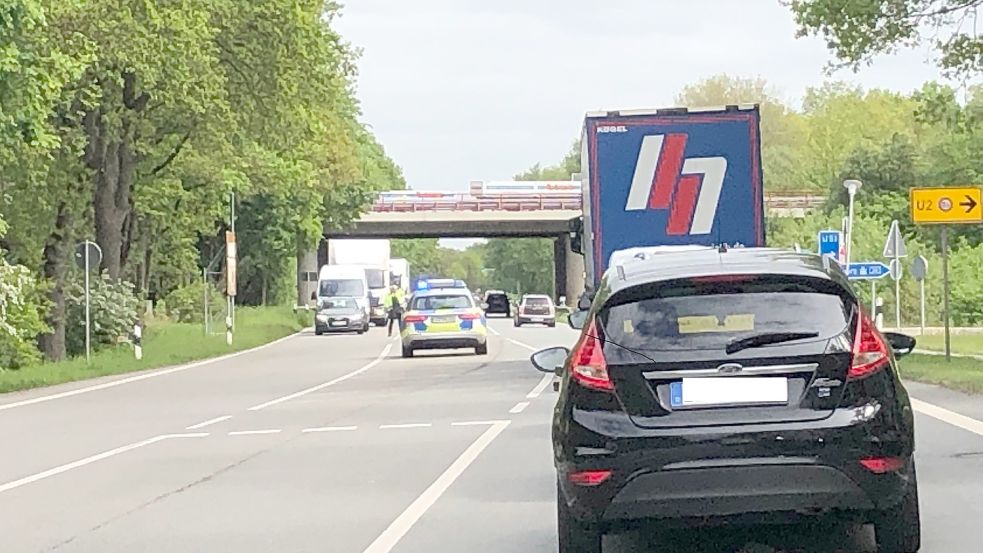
(22,309)
(184,304)
(113,310)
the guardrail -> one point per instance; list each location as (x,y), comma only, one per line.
(546,202)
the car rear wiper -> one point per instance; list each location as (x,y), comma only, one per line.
(766,338)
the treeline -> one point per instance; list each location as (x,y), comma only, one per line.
(132,124)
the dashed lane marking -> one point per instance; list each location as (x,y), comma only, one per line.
(543,383)
(519,407)
(331,429)
(408,425)
(209,422)
(255,432)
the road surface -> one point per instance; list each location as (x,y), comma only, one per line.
(336,444)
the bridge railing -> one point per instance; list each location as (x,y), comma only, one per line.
(547,202)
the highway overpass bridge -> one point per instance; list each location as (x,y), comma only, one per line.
(504,216)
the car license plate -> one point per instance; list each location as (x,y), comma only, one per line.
(734,390)
(337,322)
(440,320)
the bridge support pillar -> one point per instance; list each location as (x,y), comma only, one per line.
(568,270)
(306,275)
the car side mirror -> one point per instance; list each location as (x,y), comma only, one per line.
(577,319)
(902,344)
(550,360)
(484,306)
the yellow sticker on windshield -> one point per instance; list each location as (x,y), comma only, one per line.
(709,323)
(629,328)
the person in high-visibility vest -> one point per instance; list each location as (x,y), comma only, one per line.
(394,304)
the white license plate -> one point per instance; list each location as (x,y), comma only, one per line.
(439,320)
(732,390)
(338,323)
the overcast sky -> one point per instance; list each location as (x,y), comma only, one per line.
(461,90)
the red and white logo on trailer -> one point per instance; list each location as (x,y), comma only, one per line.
(688,187)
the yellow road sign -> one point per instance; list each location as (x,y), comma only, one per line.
(946,205)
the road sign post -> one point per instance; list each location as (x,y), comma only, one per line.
(895,249)
(87,255)
(851,187)
(945,206)
(919,270)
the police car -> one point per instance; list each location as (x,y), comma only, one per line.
(443,318)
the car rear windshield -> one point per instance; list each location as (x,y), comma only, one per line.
(706,315)
(498,299)
(537,302)
(339,303)
(342,287)
(427,303)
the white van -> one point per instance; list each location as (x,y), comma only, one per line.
(347,281)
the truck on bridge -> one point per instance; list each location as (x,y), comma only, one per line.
(668,177)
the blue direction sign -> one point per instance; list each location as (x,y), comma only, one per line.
(829,243)
(867,270)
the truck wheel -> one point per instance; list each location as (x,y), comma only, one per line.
(407,351)
(898,530)
(575,536)
(516,323)
(481,350)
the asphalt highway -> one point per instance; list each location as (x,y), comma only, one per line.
(336,444)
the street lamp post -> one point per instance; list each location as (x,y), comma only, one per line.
(851,187)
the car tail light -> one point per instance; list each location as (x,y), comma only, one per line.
(870,353)
(589,477)
(882,465)
(589,368)
(414,318)
(469,316)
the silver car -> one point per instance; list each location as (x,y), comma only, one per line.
(340,314)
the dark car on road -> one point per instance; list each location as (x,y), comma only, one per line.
(340,314)
(497,303)
(720,387)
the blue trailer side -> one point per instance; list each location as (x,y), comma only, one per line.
(670,177)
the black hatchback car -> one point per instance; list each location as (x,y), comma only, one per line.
(741,386)
(497,302)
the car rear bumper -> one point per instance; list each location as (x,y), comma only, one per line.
(807,468)
(532,319)
(444,340)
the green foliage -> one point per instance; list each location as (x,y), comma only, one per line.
(858,31)
(186,304)
(113,310)
(569,165)
(520,265)
(22,306)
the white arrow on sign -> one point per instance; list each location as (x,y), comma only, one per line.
(895,246)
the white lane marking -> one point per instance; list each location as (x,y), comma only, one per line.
(408,425)
(945,415)
(208,422)
(144,376)
(493,331)
(342,378)
(523,345)
(92,459)
(519,407)
(478,423)
(546,381)
(330,429)
(254,432)
(399,527)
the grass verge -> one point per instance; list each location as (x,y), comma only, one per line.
(966,344)
(164,344)
(961,373)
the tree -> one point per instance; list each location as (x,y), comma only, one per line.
(569,165)
(856,32)
(782,130)
(520,264)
